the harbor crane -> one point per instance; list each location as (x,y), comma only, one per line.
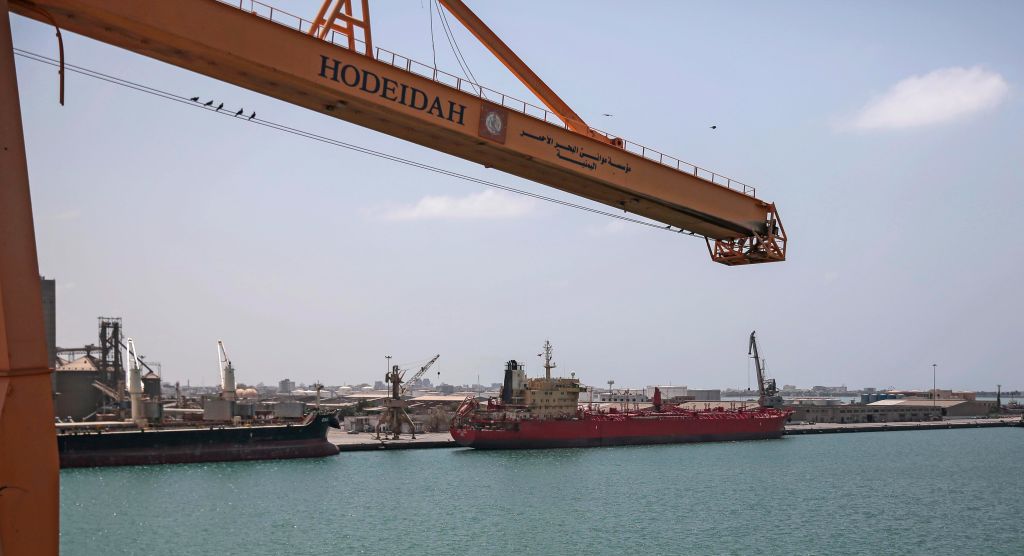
(227,373)
(135,386)
(394,414)
(330,66)
(768,393)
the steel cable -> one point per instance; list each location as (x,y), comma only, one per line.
(335,142)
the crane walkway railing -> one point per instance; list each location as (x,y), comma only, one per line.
(292,21)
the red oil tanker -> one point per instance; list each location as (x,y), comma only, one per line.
(545,413)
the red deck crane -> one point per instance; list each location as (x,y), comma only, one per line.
(329,65)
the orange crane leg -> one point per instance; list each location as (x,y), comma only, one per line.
(29,469)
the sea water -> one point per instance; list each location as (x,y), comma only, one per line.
(920,492)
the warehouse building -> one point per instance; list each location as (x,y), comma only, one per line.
(891,411)
(947,408)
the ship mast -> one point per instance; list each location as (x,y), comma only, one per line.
(548,365)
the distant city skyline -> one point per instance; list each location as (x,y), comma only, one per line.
(890,142)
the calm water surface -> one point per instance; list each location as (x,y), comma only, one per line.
(922,492)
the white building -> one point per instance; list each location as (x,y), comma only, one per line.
(668,392)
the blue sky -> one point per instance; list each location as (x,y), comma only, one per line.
(888,135)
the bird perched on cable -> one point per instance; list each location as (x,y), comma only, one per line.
(253,115)
(714,127)
(219,107)
(610,115)
(194,99)
(239,113)
(209,103)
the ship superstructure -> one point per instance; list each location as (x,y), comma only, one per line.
(539,398)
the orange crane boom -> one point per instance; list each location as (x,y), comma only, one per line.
(532,81)
(252,45)
(268,51)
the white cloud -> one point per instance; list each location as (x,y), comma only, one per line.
(937,97)
(486,205)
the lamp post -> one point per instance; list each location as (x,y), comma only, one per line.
(935,393)
(388,369)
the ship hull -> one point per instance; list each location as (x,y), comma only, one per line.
(164,446)
(619,430)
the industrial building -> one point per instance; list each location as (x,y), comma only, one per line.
(684,393)
(947,408)
(856,413)
(891,411)
(89,381)
(75,397)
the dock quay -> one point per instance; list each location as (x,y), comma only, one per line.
(823,428)
(365,442)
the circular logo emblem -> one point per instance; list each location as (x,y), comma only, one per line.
(493,123)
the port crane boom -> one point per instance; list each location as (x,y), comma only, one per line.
(135,385)
(323,67)
(768,393)
(419,374)
(227,373)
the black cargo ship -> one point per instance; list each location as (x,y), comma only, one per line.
(101,448)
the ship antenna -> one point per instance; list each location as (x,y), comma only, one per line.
(548,365)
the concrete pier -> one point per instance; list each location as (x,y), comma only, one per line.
(364,442)
(822,428)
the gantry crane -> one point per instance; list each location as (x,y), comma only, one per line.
(768,392)
(394,414)
(326,67)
